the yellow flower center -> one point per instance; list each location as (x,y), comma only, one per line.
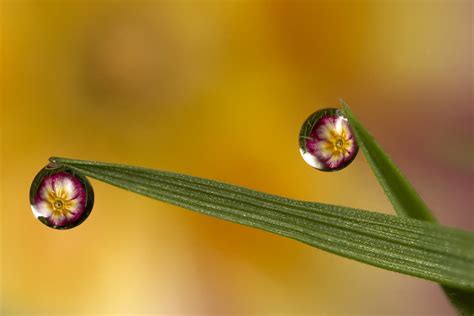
(58,204)
(340,146)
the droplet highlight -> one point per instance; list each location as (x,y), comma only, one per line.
(61,198)
(327,141)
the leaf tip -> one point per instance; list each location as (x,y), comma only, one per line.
(56,160)
(345,106)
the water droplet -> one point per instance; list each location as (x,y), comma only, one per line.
(61,198)
(326,140)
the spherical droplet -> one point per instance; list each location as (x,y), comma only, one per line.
(327,141)
(61,198)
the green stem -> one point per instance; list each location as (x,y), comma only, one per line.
(402,195)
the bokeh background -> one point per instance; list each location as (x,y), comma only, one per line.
(219,89)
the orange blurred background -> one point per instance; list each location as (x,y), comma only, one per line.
(219,89)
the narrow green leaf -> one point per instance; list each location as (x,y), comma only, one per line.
(402,195)
(403,245)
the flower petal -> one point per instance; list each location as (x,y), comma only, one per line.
(44,209)
(326,131)
(57,218)
(343,129)
(71,215)
(338,126)
(311,145)
(46,188)
(325,149)
(65,188)
(74,205)
(349,148)
(334,161)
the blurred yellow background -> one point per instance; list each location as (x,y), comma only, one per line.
(219,89)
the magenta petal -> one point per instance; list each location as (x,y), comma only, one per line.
(311,145)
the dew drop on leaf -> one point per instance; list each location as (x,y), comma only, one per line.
(327,141)
(61,198)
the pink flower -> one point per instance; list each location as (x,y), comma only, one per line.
(330,143)
(60,200)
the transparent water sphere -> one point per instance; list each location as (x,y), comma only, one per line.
(61,198)
(327,141)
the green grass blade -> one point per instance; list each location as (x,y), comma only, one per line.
(403,245)
(402,195)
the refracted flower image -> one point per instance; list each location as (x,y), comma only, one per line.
(327,141)
(61,198)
